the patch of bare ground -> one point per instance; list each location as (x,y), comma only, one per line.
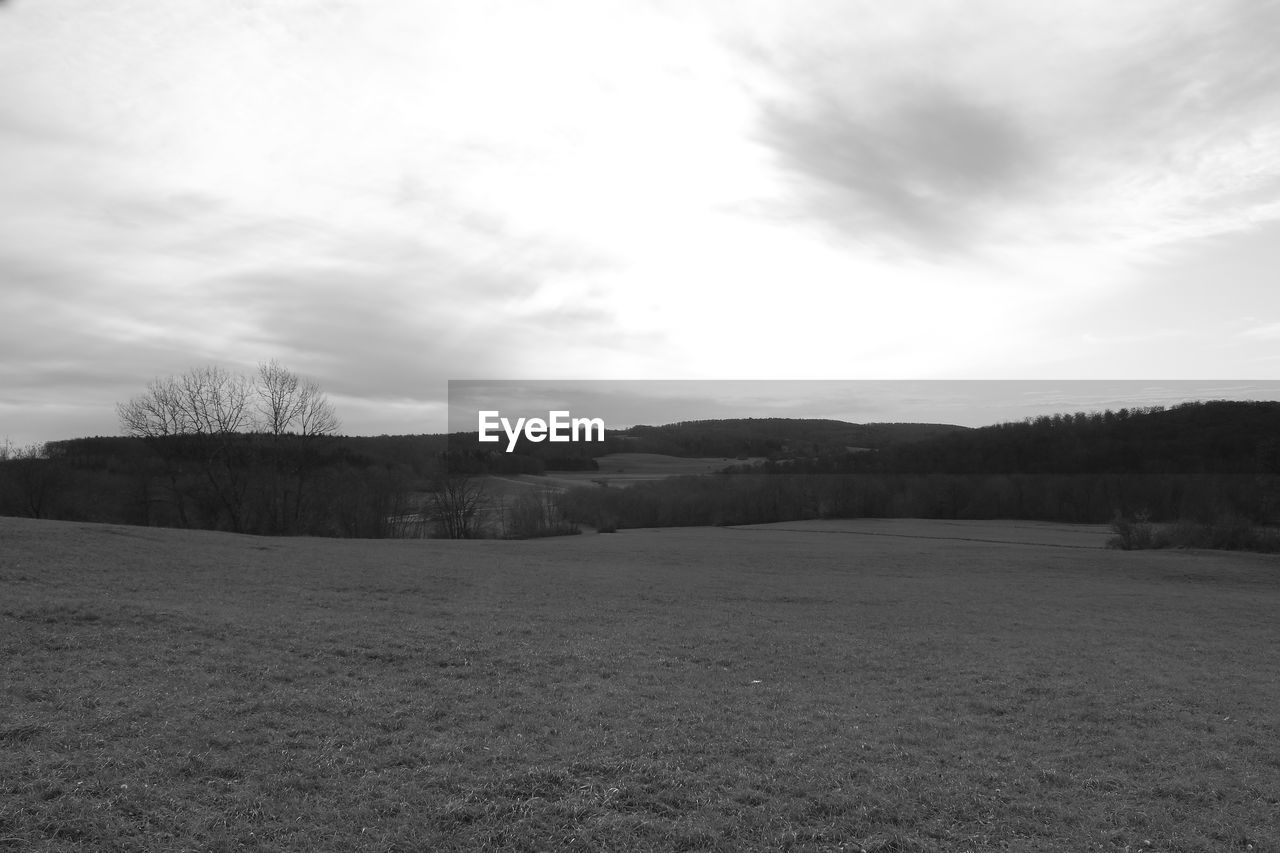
(910,686)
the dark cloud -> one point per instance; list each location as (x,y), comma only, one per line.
(362,329)
(153,283)
(935,137)
(917,169)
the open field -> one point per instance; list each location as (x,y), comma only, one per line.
(619,469)
(876,685)
(616,469)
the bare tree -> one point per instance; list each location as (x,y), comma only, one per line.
(31,479)
(455,507)
(536,512)
(318,415)
(197,423)
(196,416)
(277,390)
(202,401)
(215,401)
(154,414)
(287,404)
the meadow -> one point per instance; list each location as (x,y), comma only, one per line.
(878,685)
(624,469)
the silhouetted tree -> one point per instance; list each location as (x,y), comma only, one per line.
(192,420)
(292,412)
(455,506)
(288,404)
(200,422)
(29,480)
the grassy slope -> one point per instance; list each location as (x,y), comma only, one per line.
(806,688)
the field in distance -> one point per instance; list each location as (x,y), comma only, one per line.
(620,469)
(868,685)
(616,469)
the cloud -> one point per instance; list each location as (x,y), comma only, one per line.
(921,168)
(1267,331)
(382,310)
(953,128)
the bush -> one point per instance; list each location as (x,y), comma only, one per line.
(536,514)
(1133,535)
(1229,532)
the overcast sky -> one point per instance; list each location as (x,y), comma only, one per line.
(387,195)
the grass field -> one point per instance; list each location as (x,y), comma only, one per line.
(621,469)
(878,685)
(615,469)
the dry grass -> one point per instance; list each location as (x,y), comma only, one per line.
(825,686)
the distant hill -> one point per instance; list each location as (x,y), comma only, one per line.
(774,438)
(1219,437)
(734,439)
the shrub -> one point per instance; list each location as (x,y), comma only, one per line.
(1229,532)
(1132,535)
(535,514)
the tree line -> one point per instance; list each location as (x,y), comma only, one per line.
(1214,437)
(1198,462)
(261,454)
(214,449)
(728,499)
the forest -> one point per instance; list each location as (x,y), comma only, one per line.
(1211,467)
(273,463)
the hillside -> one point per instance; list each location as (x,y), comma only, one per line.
(1221,437)
(1212,464)
(734,439)
(776,438)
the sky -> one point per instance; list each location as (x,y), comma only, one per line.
(387,196)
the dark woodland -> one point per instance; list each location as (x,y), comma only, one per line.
(1205,463)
